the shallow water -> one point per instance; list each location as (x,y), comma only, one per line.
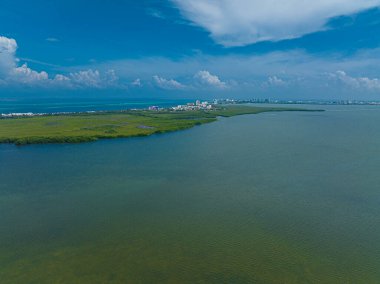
(269,198)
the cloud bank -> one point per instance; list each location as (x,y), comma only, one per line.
(291,74)
(359,83)
(242,22)
(12,73)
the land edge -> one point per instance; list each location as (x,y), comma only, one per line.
(28,140)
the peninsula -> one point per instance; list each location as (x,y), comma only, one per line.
(91,126)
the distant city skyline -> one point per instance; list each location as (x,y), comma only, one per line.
(190,49)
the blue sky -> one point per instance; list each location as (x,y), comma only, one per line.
(190,48)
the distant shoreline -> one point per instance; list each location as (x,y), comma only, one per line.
(300,102)
(91,126)
(95,107)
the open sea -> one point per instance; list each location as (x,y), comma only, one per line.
(23,105)
(289,197)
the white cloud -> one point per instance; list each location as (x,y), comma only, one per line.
(11,73)
(156,13)
(167,84)
(309,75)
(207,79)
(24,74)
(61,78)
(275,81)
(304,74)
(52,39)
(8,47)
(89,78)
(242,22)
(93,78)
(137,83)
(357,82)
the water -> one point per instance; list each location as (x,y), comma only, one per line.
(45,105)
(269,198)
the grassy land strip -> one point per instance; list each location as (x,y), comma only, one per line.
(85,127)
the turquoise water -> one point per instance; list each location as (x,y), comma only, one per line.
(23,105)
(269,198)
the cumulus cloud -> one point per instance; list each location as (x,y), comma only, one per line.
(242,22)
(357,82)
(304,74)
(207,79)
(275,81)
(311,75)
(12,73)
(137,83)
(9,69)
(8,47)
(93,78)
(167,84)
(24,74)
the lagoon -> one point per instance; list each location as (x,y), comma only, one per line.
(288,197)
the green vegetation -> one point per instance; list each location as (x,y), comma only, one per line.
(85,127)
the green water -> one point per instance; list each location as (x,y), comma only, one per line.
(269,198)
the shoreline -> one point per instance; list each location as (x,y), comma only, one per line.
(83,127)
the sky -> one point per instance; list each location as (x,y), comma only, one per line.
(283,49)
